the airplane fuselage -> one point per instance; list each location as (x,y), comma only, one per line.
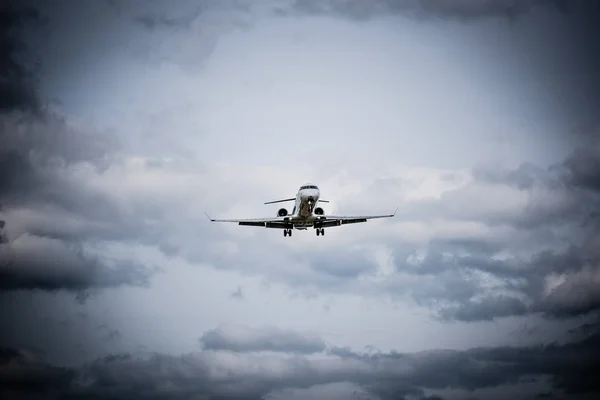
(302,216)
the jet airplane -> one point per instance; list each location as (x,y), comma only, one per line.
(306,214)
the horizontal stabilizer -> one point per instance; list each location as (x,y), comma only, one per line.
(323,201)
(280,201)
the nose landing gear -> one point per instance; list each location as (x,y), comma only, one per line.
(320,231)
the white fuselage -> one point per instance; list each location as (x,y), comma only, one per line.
(306,200)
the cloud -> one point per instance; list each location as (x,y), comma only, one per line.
(462,9)
(471,244)
(188,33)
(528,244)
(489,260)
(24,373)
(583,167)
(240,339)
(47,215)
(568,368)
(163,18)
(17,82)
(33,262)
(50,217)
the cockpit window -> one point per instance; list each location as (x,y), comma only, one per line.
(308,187)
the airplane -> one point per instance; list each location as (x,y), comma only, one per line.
(305,214)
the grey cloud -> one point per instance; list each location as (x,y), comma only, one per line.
(525,176)
(486,309)
(519,198)
(46,215)
(462,9)
(32,262)
(163,18)
(549,264)
(528,259)
(348,264)
(24,373)
(587,329)
(461,292)
(49,215)
(584,167)
(17,82)
(536,256)
(578,293)
(238,293)
(190,32)
(242,339)
(62,210)
(152,22)
(571,369)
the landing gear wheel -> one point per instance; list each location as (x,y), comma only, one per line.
(289,232)
(284,232)
(318,231)
(322,231)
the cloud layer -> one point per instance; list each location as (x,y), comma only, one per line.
(162,111)
(462,9)
(246,373)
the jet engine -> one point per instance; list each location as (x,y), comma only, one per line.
(319,211)
(282,212)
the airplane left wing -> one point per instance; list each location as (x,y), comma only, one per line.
(335,220)
(277,222)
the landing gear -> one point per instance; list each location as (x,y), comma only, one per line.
(320,231)
(287,232)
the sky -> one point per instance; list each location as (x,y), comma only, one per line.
(123,122)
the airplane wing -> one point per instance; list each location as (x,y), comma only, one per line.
(337,220)
(324,221)
(277,222)
(280,201)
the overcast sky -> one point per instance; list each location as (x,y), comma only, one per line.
(122,122)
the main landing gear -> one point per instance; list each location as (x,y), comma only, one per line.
(287,232)
(320,231)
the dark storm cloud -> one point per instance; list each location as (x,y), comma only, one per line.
(485,309)
(571,368)
(46,215)
(32,262)
(239,339)
(584,166)
(24,373)
(461,9)
(17,81)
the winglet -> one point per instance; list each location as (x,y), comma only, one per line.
(395,212)
(209,217)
